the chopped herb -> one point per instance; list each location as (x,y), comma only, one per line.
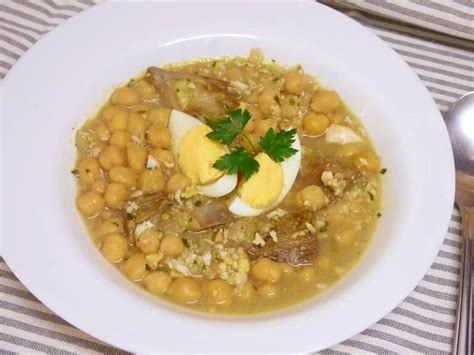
(198,203)
(227,129)
(371,195)
(185,242)
(115,224)
(214,64)
(278,145)
(273,60)
(141,111)
(292,101)
(383,171)
(75,173)
(195,262)
(277,99)
(379,214)
(276,79)
(324,228)
(238,161)
(177,89)
(130,216)
(88,171)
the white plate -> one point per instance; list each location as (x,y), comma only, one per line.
(67,74)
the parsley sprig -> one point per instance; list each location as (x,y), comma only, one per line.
(227,129)
(278,145)
(238,160)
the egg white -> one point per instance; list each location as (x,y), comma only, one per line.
(181,123)
(290,168)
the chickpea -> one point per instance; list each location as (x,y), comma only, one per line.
(89,170)
(159,136)
(185,290)
(315,124)
(367,162)
(267,291)
(177,182)
(266,270)
(163,156)
(171,246)
(119,121)
(307,274)
(123,175)
(311,197)
(120,139)
(115,195)
(160,116)
(219,292)
(102,132)
(289,110)
(99,186)
(125,96)
(110,226)
(267,98)
(136,125)
(90,204)
(110,112)
(287,269)
(134,267)
(293,82)
(149,241)
(137,156)
(151,181)
(345,238)
(157,282)
(248,291)
(144,88)
(114,246)
(262,126)
(110,157)
(325,101)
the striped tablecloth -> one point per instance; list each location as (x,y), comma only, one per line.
(441,53)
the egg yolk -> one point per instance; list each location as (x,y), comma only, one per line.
(197,154)
(264,187)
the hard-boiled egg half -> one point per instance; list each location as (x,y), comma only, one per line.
(195,154)
(268,186)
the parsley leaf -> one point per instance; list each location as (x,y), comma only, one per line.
(238,161)
(278,145)
(227,129)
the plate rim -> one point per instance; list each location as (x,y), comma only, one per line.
(103,7)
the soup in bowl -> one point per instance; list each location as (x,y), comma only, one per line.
(233,185)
